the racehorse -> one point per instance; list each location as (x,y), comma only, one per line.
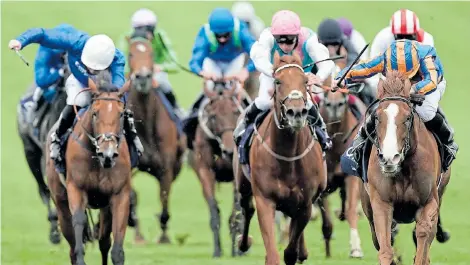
(286,171)
(404,181)
(98,174)
(33,144)
(164,146)
(252,83)
(213,147)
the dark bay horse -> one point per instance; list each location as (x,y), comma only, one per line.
(287,171)
(33,145)
(164,147)
(405,183)
(98,175)
(213,147)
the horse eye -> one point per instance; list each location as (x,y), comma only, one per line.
(277,82)
(341,104)
(328,104)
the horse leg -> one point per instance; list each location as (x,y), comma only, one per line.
(165,186)
(134,220)
(207,179)
(77,205)
(246,202)
(327,224)
(297,226)
(442,236)
(426,226)
(367,208)
(120,215)
(341,214)
(65,221)
(235,221)
(352,195)
(105,234)
(382,220)
(265,209)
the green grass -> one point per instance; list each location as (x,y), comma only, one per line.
(24,219)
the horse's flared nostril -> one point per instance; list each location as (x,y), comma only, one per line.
(304,112)
(290,113)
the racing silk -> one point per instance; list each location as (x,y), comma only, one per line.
(256,27)
(72,41)
(309,49)
(429,74)
(205,47)
(385,37)
(47,64)
(162,50)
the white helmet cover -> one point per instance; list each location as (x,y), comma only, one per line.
(143,17)
(243,11)
(98,53)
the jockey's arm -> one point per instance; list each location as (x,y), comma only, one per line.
(200,52)
(169,56)
(318,52)
(261,53)
(46,71)
(117,69)
(430,76)
(54,38)
(363,70)
(247,42)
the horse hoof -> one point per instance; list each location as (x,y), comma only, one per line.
(54,237)
(443,237)
(217,254)
(340,215)
(356,254)
(139,240)
(248,245)
(164,239)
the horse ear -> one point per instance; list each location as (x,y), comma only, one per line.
(125,88)
(277,58)
(92,86)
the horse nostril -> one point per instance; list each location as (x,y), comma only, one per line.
(304,112)
(381,157)
(290,113)
(115,155)
(396,158)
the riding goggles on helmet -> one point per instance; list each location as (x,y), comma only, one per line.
(285,39)
(223,35)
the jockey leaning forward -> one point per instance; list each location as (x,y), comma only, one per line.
(244,11)
(423,66)
(145,20)
(285,36)
(87,56)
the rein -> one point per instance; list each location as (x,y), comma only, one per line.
(292,95)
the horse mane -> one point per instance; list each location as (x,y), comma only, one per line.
(286,59)
(395,84)
(104,82)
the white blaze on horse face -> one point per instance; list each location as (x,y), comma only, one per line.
(390,143)
(141,47)
(110,107)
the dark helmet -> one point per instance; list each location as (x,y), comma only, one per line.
(329,32)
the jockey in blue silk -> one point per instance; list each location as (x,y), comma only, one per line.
(424,68)
(87,56)
(220,48)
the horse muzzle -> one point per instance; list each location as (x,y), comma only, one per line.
(297,117)
(108,157)
(143,82)
(390,164)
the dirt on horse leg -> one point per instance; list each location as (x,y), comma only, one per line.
(382,218)
(426,226)
(105,234)
(352,196)
(296,239)
(265,210)
(77,205)
(120,215)
(165,186)
(327,223)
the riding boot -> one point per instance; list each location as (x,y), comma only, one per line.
(322,133)
(66,120)
(132,132)
(249,116)
(355,151)
(171,97)
(445,133)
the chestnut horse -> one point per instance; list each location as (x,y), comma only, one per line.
(213,148)
(163,147)
(98,175)
(287,168)
(405,183)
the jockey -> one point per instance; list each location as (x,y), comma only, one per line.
(424,68)
(355,37)
(220,48)
(245,12)
(404,24)
(284,36)
(145,20)
(87,56)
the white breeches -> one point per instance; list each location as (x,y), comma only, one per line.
(265,92)
(163,82)
(428,110)
(74,97)
(223,69)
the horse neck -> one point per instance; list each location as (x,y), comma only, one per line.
(84,126)
(414,137)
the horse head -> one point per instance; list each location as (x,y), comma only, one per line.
(394,119)
(106,115)
(218,116)
(290,91)
(141,63)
